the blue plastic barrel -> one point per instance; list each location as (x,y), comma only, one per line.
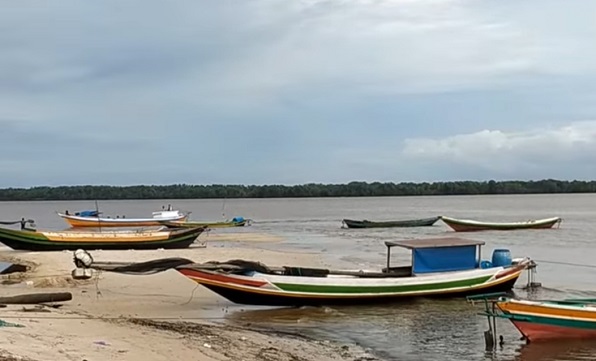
(501,258)
(485,264)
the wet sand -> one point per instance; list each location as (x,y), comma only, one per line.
(151,317)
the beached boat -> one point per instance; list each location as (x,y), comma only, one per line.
(35,240)
(423,222)
(544,320)
(466,225)
(94,219)
(235,222)
(440,267)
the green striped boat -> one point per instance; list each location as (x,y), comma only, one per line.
(440,267)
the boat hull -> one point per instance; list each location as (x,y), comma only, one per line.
(79,222)
(69,240)
(257,291)
(543,321)
(459,225)
(425,222)
(192,224)
(539,331)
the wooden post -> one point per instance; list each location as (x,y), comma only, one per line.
(388,258)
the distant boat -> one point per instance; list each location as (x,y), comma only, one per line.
(33,240)
(439,267)
(423,222)
(466,225)
(235,222)
(93,219)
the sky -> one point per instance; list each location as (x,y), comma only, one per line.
(291,92)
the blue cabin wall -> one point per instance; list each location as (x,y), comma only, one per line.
(426,260)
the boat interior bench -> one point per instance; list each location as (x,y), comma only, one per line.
(321,272)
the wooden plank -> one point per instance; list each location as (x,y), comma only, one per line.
(434,243)
(35,298)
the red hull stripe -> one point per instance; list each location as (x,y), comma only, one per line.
(217,277)
(536,331)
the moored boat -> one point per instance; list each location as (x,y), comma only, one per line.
(94,219)
(422,222)
(234,222)
(35,240)
(440,267)
(467,225)
(546,320)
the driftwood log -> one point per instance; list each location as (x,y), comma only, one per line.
(35,298)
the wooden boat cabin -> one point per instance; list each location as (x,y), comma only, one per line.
(438,255)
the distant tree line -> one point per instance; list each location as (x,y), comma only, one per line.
(352,189)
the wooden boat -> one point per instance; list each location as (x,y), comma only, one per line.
(34,240)
(440,267)
(423,222)
(465,225)
(89,219)
(545,320)
(235,222)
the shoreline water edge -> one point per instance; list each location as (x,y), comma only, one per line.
(152,317)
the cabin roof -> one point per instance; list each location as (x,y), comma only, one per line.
(434,243)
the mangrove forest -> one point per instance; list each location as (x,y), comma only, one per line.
(352,189)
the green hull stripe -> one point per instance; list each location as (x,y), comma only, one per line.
(553,321)
(382,289)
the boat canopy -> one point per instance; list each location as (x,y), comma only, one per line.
(87,214)
(439,254)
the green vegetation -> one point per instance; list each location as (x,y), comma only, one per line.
(353,189)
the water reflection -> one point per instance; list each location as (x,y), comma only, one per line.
(557,351)
(446,329)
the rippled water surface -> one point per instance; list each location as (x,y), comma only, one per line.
(414,330)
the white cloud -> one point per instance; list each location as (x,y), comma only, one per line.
(512,152)
(330,79)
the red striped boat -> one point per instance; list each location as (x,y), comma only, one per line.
(440,267)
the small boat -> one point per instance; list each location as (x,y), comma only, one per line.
(34,240)
(466,225)
(93,219)
(440,267)
(423,222)
(234,222)
(545,320)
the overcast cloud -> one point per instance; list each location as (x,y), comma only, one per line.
(263,91)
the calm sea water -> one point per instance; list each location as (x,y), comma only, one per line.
(414,330)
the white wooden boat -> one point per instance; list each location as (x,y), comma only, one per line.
(440,267)
(467,225)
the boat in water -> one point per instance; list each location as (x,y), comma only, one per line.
(544,320)
(234,222)
(466,225)
(94,219)
(423,222)
(35,240)
(440,267)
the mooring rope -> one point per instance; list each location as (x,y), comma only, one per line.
(566,263)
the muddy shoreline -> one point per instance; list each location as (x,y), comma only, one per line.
(123,317)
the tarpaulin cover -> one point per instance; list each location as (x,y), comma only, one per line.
(443,259)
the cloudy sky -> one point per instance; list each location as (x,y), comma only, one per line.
(273,91)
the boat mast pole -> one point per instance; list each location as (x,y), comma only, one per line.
(98,218)
(388,257)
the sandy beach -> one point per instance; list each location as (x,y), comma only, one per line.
(154,317)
